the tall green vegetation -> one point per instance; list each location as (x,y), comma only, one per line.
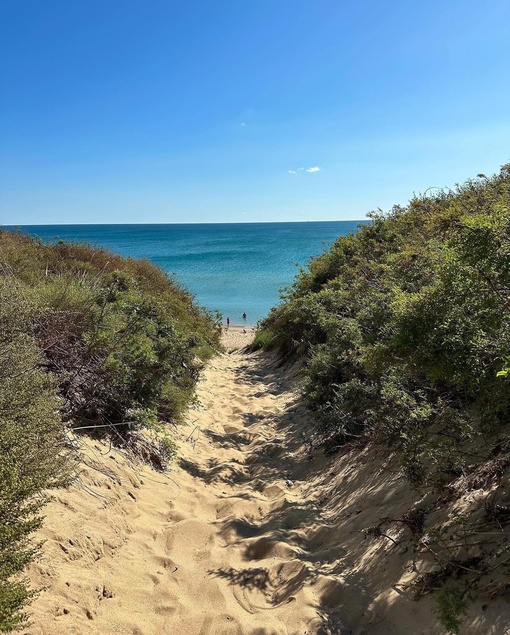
(88,339)
(403,329)
(123,340)
(32,455)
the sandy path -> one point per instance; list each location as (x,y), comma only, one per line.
(201,550)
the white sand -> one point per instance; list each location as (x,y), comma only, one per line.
(252,532)
(236,337)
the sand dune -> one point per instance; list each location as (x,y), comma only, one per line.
(252,531)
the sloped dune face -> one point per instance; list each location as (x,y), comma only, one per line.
(252,531)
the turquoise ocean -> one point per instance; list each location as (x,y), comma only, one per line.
(233,268)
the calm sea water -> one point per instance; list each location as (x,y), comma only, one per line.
(232,268)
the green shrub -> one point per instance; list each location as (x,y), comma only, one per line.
(118,333)
(263,340)
(404,326)
(32,449)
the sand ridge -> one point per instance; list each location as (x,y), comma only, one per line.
(252,532)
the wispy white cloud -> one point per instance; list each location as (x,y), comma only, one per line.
(311,170)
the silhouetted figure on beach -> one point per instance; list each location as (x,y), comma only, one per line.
(228,322)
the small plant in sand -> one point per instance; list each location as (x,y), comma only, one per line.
(451,607)
(263,340)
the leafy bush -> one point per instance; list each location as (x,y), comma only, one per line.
(118,333)
(32,449)
(404,326)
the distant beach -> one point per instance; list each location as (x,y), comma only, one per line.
(237,336)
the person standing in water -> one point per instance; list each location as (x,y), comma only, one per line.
(244,317)
(228,322)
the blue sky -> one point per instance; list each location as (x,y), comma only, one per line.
(162,111)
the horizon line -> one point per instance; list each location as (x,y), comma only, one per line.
(282,222)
